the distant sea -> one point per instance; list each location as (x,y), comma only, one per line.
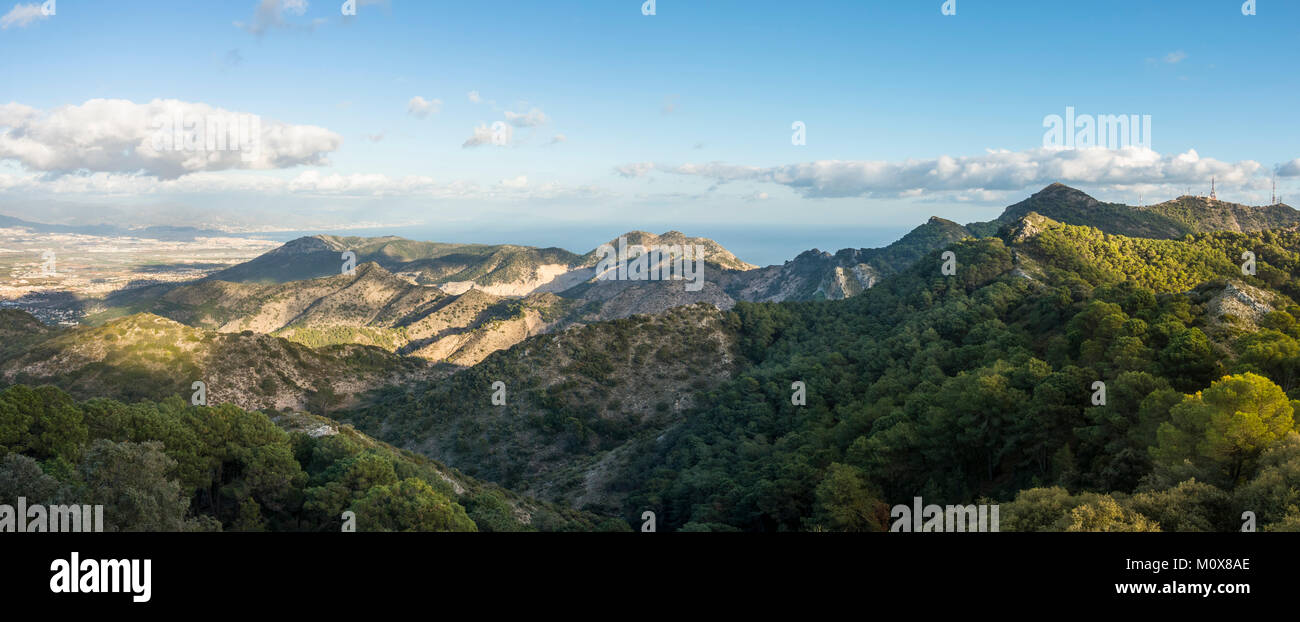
(757,244)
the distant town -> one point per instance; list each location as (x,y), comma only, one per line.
(61,277)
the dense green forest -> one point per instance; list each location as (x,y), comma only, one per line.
(170,466)
(980,386)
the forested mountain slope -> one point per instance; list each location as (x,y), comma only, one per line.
(981,385)
(978,385)
(170,466)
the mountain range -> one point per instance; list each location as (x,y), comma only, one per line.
(457,303)
(517,365)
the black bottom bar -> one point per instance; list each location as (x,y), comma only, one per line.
(307,572)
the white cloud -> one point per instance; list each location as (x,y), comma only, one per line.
(13,113)
(22,16)
(558,138)
(1175,57)
(475,98)
(1289,169)
(421,107)
(994,171)
(532,118)
(120,136)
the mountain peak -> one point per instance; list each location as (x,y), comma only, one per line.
(1058,190)
(369,270)
(1168,220)
(714,252)
(935,220)
(306,244)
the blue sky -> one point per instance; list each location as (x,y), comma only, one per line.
(679,120)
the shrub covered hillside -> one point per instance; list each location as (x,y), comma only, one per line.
(144,356)
(1085,381)
(568,403)
(168,466)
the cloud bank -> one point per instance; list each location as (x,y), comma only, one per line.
(998,170)
(120,136)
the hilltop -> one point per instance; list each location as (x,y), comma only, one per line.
(714,254)
(427,262)
(1171,219)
